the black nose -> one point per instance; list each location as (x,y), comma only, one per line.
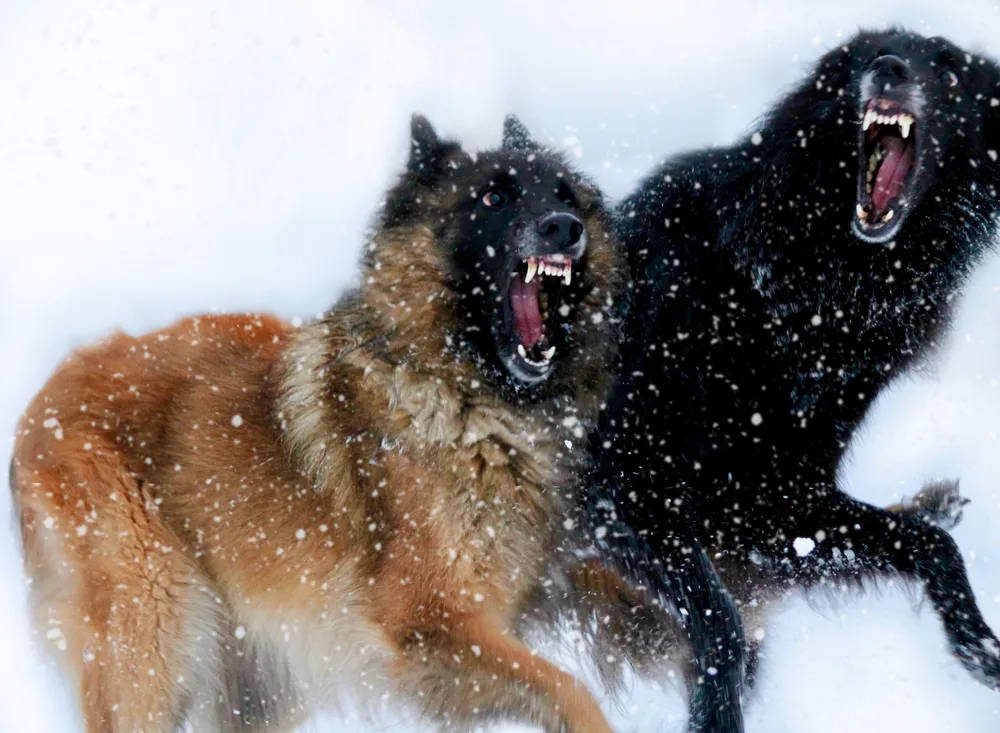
(560,229)
(889,70)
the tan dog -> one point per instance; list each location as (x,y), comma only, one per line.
(232,522)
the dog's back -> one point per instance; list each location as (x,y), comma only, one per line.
(116,584)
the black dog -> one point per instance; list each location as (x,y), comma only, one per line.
(779,284)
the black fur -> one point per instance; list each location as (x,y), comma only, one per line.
(761,327)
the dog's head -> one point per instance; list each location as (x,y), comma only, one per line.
(924,107)
(526,270)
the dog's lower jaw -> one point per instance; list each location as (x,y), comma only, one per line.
(510,362)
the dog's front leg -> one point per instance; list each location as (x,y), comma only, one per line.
(470,669)
(680,576)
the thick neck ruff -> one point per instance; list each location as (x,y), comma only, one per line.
(381,362)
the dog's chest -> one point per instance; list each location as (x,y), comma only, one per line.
(474,511)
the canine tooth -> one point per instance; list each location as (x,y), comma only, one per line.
(568,274)
(870,116)
(521,351)
(888,215)
(549,353)
(532,269)
(860,211)
(904,126)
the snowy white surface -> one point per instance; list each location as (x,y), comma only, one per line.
(159,159)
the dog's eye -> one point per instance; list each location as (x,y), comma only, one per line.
(494,199)
(950,78)
(565,194)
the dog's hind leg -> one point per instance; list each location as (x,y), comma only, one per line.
(127,612)
(832,536)
(474,670)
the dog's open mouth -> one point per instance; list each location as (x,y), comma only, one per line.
(888,150)
(539,305)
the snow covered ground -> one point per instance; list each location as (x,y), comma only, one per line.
(158,159)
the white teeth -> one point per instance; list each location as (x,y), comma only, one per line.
(532,269)
(860,211)
(521,351)
(888,215)
(549,353)
(541,267)
(904,120)
(904,125)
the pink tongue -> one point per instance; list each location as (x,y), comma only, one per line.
(891,172)
(524,303)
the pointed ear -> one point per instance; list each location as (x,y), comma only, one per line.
(516,135)
(425,146)
(429,154)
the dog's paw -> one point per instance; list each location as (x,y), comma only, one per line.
(939,503)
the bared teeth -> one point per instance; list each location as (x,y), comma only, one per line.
(539,266)
(549,353)
(903,120)
(904,125)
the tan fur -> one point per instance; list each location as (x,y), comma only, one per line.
(233,515)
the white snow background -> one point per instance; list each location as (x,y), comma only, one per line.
(162,159)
